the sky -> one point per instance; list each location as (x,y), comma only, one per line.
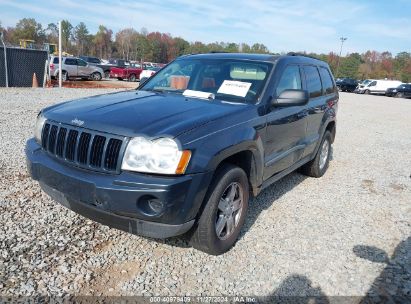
(283,26)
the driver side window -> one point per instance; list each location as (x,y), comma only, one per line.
(290,79)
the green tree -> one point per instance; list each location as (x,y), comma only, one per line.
(66,35)
(30,29)
(181,46)
(81,37)
(259,48)
(349,66)
(52,33)
(103,42)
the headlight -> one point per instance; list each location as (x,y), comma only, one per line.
(394,90)
(161,156)
(39,127)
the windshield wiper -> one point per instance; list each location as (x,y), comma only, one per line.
(164,91)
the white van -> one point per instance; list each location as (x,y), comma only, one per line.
(376,86)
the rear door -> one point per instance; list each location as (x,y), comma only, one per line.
(316,106)
(70,65)
(286,127)
(84,70)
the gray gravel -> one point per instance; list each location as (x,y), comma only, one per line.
(347,233)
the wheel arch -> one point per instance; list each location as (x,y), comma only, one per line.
(331,126)
(248,157)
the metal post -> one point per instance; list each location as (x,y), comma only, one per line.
(339,57)
(60,59)
(5,60)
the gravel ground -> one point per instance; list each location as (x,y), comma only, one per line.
(345,234)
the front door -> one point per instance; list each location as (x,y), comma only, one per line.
(286,127)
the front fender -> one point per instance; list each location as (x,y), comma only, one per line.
(210,151)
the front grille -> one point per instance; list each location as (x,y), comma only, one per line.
(82,147)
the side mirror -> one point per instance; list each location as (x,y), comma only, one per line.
(291,97)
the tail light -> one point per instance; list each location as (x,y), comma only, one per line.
(51,66)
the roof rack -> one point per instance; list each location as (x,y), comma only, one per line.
(301,54)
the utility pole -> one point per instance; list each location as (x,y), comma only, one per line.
(60,59)
(342,39)
(5,60)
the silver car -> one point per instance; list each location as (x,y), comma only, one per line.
(76,68)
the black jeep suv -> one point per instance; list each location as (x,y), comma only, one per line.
(347,84)
(184,152)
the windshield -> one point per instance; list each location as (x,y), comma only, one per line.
(366,81)
(227,79)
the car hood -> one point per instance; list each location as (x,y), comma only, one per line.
(134,113)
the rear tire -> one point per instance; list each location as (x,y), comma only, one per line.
(226,205)
(107,74)
(132,78)
(64,76)
(319,165)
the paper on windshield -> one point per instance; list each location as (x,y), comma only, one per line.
(233,87)
(198,94)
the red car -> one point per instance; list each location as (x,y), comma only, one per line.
(129,72)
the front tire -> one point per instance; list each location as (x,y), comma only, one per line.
(226,205)
(96,76)
(367,92)
(399,95)
(319,165)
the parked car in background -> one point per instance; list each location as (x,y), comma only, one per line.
(148,72)
(118,62)
(403,90)
(74,67)
(130,72)
(97,62)
(346,84)
(377,86)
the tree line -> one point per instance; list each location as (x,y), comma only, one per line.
(143,45)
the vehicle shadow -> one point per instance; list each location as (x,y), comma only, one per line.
(263,201)
(296,289)
(393,285)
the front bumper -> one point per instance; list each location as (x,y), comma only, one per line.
(120,201)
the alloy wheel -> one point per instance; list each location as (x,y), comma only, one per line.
(229,211)
(325,149)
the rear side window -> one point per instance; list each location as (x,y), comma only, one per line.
(313,81)
(56,60)
(93,60)
(70,61)
(81,62)
(290,79)
(328,84)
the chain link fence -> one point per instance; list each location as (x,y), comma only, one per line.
(21,66)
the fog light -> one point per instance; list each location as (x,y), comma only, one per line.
(151,205)
(156,205)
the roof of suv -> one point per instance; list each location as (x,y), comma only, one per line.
(294,57)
